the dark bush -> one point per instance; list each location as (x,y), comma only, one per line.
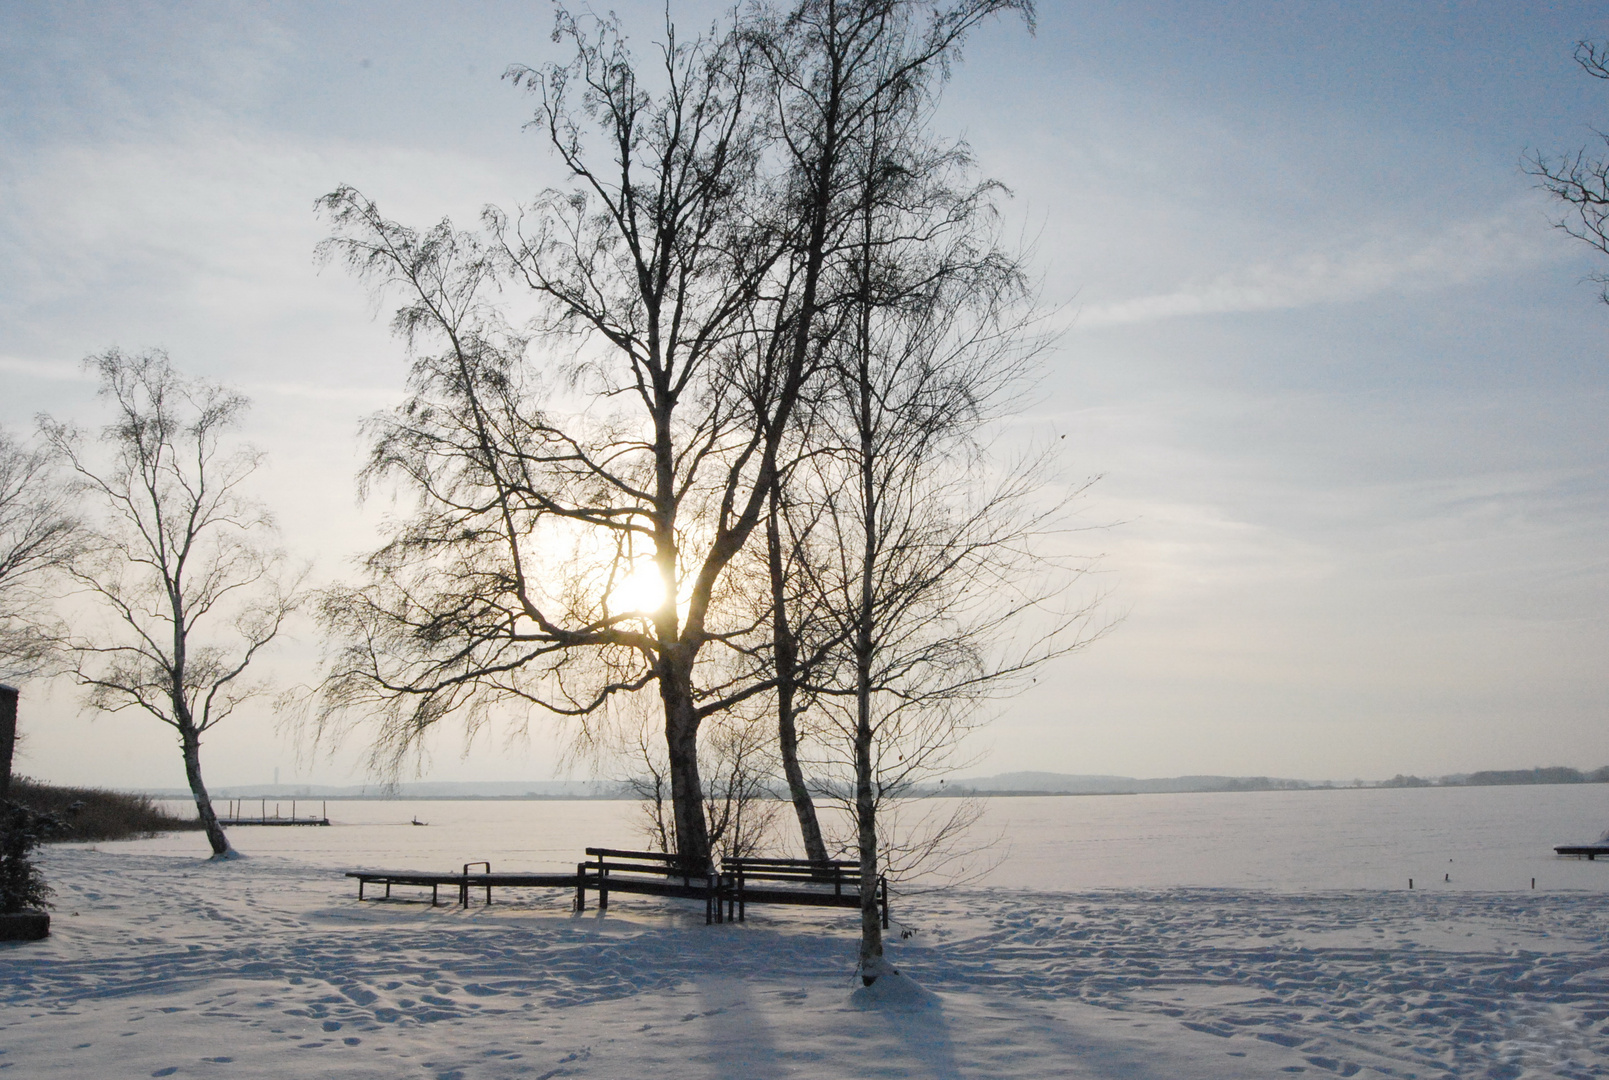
(93,814)
(21,885)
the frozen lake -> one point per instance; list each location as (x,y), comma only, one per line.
(1483,839)
(1192,937)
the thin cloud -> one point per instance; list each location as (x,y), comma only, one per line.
(54,370)
(1461,253)
(369,397)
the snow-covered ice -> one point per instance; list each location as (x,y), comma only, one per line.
(163,964)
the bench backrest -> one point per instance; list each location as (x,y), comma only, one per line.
(640,862)
(837,872)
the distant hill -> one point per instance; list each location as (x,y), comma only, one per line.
(1555,774)
(1047,783)
(1023,783)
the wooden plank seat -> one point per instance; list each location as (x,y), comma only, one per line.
(653,873)
(388,878)
(752,880)
(463,881)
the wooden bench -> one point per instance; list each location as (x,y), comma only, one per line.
(749,879)
(464,881)
(741,881)
(652,872)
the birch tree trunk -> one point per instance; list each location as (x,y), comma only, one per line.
(681,744)
(786,649)
(871,924)
(190,741)
(871,921)
(8,736)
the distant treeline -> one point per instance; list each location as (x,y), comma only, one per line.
(1556,774)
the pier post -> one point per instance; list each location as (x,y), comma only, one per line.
(8,736)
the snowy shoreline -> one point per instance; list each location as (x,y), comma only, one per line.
(166,965)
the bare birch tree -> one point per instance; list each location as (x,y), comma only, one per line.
(1581,179)
(680,274)
(180,562)
(38,536)
(945,595)
(933,570)
(510,584)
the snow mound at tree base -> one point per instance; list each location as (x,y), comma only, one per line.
(893,990)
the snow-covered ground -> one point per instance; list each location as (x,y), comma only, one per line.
(162,964)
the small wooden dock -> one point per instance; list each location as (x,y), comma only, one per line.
(237,815)
(1589,851)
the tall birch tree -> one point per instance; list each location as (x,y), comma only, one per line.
(633,426)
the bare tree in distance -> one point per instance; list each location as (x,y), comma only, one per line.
(38,536)
(180,561)
(737,762)
(1581,179)
(681,272)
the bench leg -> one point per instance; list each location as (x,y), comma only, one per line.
(432,895)
(360,889)
(581,886)
(388,890)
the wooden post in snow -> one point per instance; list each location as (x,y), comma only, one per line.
(8,736)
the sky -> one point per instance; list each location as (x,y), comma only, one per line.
(1340,381)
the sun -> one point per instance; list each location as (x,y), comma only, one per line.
(639,591)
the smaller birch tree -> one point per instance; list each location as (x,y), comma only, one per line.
(181,562)
(930,568)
